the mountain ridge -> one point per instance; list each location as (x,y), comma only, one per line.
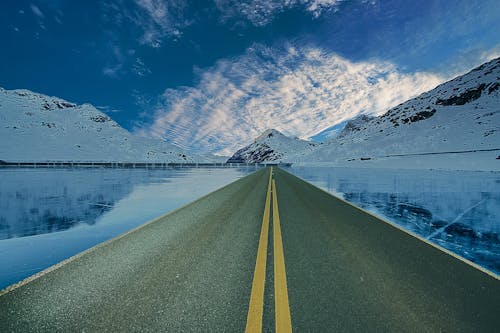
(455,125)
(270,146)
(457,117)
(37,127)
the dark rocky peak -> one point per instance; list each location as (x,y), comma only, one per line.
(356,124)
(269,133)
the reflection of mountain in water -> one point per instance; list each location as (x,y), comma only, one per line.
(42,201)
(457,210)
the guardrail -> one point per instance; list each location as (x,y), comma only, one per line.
(366,158)
(90,164)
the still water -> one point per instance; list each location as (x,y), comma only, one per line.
(48,215)
(458,210)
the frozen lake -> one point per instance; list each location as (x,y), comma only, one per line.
(48,215)
(459,210)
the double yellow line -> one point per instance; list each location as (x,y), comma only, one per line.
(283,320)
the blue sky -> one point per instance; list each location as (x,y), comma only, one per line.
(211,75)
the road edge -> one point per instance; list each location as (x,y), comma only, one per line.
(66,261)
(408,232)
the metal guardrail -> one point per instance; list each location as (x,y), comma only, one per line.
(97,164)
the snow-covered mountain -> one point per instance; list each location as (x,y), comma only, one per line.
(455,125)
(36,127)
(272,146)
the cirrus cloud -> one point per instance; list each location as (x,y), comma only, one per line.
(160,19)
(300,92)
(262,12)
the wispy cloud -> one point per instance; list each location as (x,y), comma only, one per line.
(153,21)
(121,63)
(139,68)
(114,67)
(160,19)
(107,109)
(317,7)
(489,55)
(37,11)
(262,12)
(111,71)
(300,92)
(58,16)
(166,19)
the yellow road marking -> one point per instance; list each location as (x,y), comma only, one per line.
(255,309)
(281,305)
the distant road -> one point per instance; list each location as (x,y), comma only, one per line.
(268,251)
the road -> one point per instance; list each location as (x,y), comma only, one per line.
(267,252)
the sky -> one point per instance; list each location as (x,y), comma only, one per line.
(211,75)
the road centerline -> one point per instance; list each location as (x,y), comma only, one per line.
(283,321)
(256,305)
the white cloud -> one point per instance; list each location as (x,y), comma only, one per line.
(159,19)
(166,19)
(112,71)
(489,54)
(107,109)
(299,92)
(114,68)
(139,68)
(124,62)
(262,12)
(152,20)
(58,19)
(36,11)
(316,7)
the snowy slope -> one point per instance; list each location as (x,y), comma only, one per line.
(272,146)
(36,127)
(460,115)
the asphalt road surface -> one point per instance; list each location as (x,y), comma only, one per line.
(267,252)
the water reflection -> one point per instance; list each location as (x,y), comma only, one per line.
(41,201)
(457,210)
(48,215)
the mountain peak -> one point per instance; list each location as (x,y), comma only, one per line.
(269,133)
(355,124)
(70,132)
(271,146)
(454,125)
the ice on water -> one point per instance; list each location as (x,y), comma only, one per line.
(48,215)
(459,210)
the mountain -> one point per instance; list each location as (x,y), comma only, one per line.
(36,127)
(272,146)
(455,125)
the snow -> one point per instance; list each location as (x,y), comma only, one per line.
(455,126)
(460,115)
(36,127)
(473,161)
(271,146)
